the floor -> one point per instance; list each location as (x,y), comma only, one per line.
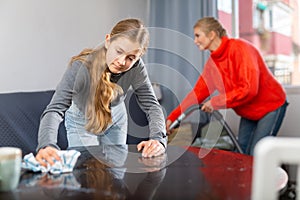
(182,136)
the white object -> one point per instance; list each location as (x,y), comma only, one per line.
(269,154)
(67,163)
(10,168)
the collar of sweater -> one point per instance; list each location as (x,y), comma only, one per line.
(219,52)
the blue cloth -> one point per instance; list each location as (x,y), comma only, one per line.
(67,163)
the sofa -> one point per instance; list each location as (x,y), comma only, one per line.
(20,114)
(20,118)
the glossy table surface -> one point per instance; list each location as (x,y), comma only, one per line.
(120,172)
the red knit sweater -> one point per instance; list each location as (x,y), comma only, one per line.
(243,81)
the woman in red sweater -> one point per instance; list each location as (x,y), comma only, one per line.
(237,71)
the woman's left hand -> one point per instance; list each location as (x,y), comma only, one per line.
(151,148)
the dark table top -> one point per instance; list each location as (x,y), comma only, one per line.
(120,172)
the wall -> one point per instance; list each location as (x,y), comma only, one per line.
(38,37)
(291,125)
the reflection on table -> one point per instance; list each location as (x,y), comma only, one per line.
(120,172)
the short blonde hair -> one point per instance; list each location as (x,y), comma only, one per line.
(208,24)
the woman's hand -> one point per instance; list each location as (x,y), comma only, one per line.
(47,155)
(168,124)
(151,148)
(207,107)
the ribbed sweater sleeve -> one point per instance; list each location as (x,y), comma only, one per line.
(147,100)
(203,88)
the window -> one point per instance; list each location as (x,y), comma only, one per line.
(225,5)
(275,30)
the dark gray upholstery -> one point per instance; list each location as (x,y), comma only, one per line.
(20,118)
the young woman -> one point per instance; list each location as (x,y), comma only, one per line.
(238,72)
(90,96)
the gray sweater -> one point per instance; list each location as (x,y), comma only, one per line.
(74,86)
